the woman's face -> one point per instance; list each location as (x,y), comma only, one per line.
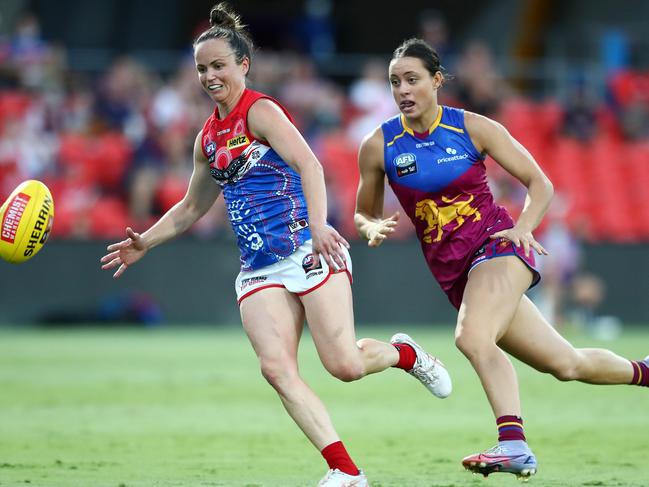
(220,75)
(413,87)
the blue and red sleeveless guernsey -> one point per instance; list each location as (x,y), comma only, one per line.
(440,180)
(263,194)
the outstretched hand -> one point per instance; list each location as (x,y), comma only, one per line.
(326,241)
(381,229)
(520,237)
(124,253)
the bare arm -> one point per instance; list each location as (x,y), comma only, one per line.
(268,122)
(200,196)
(492,138)
(368,217)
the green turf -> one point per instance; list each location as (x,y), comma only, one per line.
(187,407)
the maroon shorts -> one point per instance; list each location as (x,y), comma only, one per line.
(489,250)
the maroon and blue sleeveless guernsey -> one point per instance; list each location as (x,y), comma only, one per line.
(263,194)
(440,180)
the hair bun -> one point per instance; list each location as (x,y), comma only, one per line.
(222,16)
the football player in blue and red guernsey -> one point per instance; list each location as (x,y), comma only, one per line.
(293,264)
(433,157)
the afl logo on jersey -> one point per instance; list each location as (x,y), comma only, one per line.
(405,164)
(210,148)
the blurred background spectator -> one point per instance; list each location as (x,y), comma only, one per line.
(101,101)
(434,29)
(480,87)
(105,112)
(587,294)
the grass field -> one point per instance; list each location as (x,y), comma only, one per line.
(188,407)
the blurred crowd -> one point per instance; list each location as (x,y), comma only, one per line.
(115,147)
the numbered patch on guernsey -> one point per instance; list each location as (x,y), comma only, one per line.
(405,164)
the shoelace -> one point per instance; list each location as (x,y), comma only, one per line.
(331,473)
(426,374)
(495,450)
(326,477)
(499,450)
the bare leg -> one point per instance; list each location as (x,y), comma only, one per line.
(534,341)
(330,315)
(490,301)
(273,319)
(496,315)
(491,313)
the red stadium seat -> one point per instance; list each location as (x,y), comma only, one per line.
(71,207)
(101,160)
(568,164)
(614,206)
(517,114)
(113,153)
(532,124)
(76,158)
(637,161)
(170,191)
(108,218)
(338,156)
(13,104)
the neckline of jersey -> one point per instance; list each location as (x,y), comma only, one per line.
(234,108)
(419,135)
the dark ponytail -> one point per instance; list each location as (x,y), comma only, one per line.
(226,24)
(222,16)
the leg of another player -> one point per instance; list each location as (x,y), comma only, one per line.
(490,300)
(273,320)
(531,339)
(330,315)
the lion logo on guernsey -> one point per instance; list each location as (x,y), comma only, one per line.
(437,217)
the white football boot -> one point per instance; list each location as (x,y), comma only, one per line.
(336,478)
(429,370)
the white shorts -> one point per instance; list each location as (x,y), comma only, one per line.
(292,273)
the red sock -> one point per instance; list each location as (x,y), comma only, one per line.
(407,356)
(640,373)
(337,457)
(510,428)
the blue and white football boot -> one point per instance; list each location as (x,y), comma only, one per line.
(507,456)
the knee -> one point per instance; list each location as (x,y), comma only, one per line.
(364,343)
(564,370)
(347,371)
(278,374)
(463,344)
(471,344)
